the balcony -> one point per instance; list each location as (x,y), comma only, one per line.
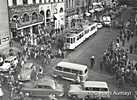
(20,25)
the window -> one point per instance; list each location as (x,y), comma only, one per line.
(66,70)
(103,89)
(34,16)
(59,68)
(25,2)
(86,71)
(25,18)
(14,2)
(86,31)
(40,1)
(44,87)
(34,1)
(95,89)
(68,40)
(92,28)
(54,1)
(74,71)
(61,10)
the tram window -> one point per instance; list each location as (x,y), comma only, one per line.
(86,31)
(92,28)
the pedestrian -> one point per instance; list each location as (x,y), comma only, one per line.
(92,61)
(131,48)
(101,65)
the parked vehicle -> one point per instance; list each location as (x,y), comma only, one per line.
(43,88)
(71,71)
(89,90)
(9,62)
(26,71)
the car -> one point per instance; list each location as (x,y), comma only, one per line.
(106,20)
(9,62)
(99,25)
(26,71)
(89,90)
(43,87)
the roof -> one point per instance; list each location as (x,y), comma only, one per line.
(47,81)
(72,65)
(96,84)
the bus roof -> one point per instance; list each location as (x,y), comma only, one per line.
(97,84)
(72,66)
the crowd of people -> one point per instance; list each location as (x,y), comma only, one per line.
(116,60)
(43,46)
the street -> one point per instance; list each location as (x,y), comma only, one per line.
(95,45)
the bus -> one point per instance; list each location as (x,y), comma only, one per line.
(71,71)
(75,37)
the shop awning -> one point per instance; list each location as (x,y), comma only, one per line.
(87,14)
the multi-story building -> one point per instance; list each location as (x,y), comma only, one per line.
(74,10)
(26,16)
(54,13)
(4,24)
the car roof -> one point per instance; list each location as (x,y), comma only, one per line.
(96,84)
(10,58)
(72,66)
(46,81)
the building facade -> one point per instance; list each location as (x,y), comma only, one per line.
(74,9)
(4,28)
(27,16)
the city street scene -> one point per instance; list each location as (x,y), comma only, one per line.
(68,49)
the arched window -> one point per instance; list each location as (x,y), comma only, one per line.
(42,13)
(48,13)
(61,10)
(25,18)
(34,16)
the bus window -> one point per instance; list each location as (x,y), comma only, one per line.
(80,72)
(103,89)
(66,70)
(59,68)
(74,71)
(95,89)
(71,40)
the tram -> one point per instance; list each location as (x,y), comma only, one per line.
(75,37)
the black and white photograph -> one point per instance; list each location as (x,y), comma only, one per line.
(68,49)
